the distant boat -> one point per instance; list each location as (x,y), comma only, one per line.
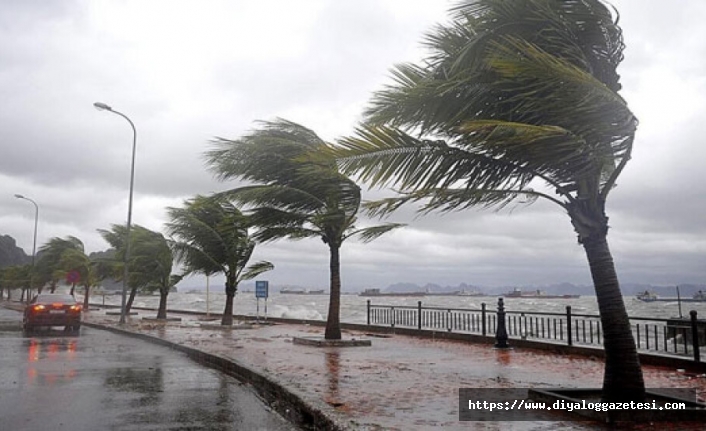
(700,295)
(454,293)
(302,292)
(377,292)
(647,296)
(518,293)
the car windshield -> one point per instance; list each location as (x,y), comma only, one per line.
(54,298)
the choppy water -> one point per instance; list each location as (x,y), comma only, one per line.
(353,307)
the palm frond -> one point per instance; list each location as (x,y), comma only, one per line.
(256,269)
(383,156)
(448,200)
(284,197)
(371,233)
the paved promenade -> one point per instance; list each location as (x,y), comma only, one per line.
(398,383)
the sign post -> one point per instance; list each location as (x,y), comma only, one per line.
(261,291)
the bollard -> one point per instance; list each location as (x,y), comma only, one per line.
(501,332)
(419,315)
(695,336)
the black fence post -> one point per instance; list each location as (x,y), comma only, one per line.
(419,315)
(569,338)
(482,307)
(695,336)
(368,312)
(501,332)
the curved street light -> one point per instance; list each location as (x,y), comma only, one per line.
(103,107)
(34,243)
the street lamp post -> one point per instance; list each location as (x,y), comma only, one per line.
(34,243)
(103,107)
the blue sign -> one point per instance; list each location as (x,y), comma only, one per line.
(261,289)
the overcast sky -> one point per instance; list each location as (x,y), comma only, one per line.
(187,71)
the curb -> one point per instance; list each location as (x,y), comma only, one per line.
(289,405)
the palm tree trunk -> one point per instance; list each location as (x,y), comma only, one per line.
(622,379)
(333,322)
(231,288)
(86,297)
(130,300)
(162,310)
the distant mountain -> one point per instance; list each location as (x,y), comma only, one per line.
(10,254)
(403,287)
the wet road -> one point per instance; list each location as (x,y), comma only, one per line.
(104,381)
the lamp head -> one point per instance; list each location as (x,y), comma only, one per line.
(102,106)
(19,196)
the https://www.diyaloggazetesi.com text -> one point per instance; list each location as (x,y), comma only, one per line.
(512,404)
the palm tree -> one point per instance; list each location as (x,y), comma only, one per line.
(212,237)
(14,277)
(50,258)
(76,260)
(151,260)
(148,259)
(298,193)
(517,101)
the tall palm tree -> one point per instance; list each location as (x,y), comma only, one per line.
(517,101)
(298,193)
(212,237)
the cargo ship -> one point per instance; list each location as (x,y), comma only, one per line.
(518,293)
(302,292)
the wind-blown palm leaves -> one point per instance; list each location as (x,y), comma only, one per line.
(61,256)
(298,193)
(15,277)
(517,101)
(212,237)
(50,258)
(76,260)
(150,262)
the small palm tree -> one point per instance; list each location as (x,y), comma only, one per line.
(151,261)
(76,260)
(147,263)
(16,277)
(518,101)
(299,193)
(212,237)
(50,258)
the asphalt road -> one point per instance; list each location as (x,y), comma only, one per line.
(103,381)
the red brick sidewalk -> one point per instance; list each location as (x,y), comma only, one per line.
(400,382)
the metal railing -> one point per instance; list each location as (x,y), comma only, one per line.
(681,337)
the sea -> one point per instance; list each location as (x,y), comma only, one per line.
(354,307)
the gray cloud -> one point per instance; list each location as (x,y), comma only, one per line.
(185,73)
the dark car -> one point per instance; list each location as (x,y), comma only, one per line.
(52,309)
